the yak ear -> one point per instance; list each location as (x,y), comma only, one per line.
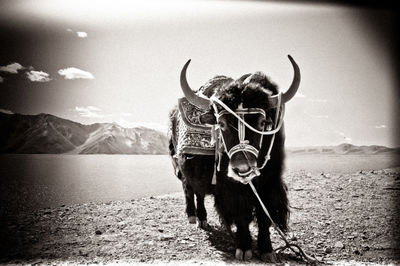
(208,118)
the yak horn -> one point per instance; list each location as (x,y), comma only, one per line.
(192,97)
(295,83)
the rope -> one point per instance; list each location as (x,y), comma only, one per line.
(223,105)
(288,245)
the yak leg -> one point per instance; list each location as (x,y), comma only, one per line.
(189,198)
(201,211)
(264,239)
(243,240)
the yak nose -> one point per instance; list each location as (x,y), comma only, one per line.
(241,168)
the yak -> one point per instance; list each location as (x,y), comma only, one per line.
(247,117)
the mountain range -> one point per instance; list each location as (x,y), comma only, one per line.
(344,148)
(45,133)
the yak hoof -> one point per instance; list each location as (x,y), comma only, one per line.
(269,257)
(202,224)
(192,219)
(239,254)
(247,255)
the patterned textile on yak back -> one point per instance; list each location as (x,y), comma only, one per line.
(193,136)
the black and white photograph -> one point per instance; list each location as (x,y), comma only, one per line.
(199,132)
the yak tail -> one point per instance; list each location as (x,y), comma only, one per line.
(172,153)
(172,141)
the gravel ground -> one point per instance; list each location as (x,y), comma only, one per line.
(340,218)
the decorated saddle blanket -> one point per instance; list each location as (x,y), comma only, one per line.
(193,137)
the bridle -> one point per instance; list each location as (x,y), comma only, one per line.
(244,145)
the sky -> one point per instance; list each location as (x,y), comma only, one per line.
(119,61)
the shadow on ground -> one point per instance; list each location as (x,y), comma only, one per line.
(222,240)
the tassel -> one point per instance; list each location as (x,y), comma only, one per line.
(214,141)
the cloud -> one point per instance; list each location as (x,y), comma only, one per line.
(75,73)
(11,68)
(380,126)
(299,95)
(81,34)
(6,111)
(38,76)
(89,111)
(1,79)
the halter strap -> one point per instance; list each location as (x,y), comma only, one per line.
(223,105)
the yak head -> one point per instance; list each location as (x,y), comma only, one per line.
(248,112)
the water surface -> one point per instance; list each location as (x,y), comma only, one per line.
(39,181)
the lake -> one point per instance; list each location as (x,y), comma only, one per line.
(30,182)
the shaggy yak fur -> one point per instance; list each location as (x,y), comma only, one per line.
(234,201)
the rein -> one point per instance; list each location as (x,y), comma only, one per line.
(288,245)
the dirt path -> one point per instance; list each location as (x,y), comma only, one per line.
(337,217)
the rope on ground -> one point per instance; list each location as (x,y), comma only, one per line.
(291,246)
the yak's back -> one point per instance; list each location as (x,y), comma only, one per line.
(186,132)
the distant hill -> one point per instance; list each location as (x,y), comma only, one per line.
(344,148)
(46,133)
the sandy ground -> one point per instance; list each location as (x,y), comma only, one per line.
(340,218)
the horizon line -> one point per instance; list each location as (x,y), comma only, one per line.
(166,127)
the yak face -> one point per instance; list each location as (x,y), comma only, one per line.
(244,110)
(249,99)
(243,163)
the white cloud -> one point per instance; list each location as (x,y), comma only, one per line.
(1,79)
(6,111)
(75,73)
(380,126)
(89,111)
(38,76)
(81,34)
(299,95)
(11,68)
